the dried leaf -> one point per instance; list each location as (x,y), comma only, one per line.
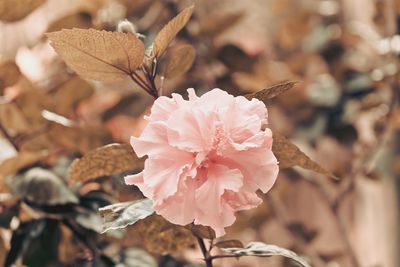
(290,155)
(216,24)
(12,165)
(82,20)
(104,161)
(201,231)
(229,244)
(120,215)
(70,94)
(12,118)
(162,237)
(99,55)
(78,138)
(260,249)
(272,91)
(9,74)
(42,187)
(13,10)
(168,33)
(180,60)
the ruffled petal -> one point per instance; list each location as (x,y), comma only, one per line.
(152,141)
(211,208)
(258,165)
(137,180)
(191,130)
(179,208)
(162,173)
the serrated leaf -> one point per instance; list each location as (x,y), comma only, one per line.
(201,231)
(260,249)
(229,244)
(289,155)
(13,10)
(180,60)
(169,31)
(99,55)
(120,215)
(273,91)
(104,161)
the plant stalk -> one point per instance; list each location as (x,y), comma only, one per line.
(207,257)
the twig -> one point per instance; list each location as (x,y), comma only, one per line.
(207,257)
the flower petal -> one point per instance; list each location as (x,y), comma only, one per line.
(191,129)
(212,210)
(162,173)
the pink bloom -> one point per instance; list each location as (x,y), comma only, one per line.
(207,157)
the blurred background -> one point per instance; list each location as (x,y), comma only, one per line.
(343,114)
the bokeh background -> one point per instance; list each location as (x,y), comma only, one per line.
(343,114)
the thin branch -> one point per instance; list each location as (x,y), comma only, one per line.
(143,86)
(207,258)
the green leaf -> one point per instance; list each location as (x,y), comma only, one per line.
(120,215)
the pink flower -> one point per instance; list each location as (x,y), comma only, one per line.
(207,157)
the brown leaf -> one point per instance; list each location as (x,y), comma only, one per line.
(12,118)
(104,161)
(78,139)
(162,237)
(9,74)
(82,20)
(99,55)
(229,244)
(216,24)
(273,91)
(70,94)
(289,155)
(12,165)
(168,33)
(13,10)
(32,101)
(201,231)
(180,60)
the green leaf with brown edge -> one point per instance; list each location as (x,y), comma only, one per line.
(120,215)
(169,31)
(104,161)
(229,244)
(272,91)
(201,231)
(289,155)
(260,249)
(99,55)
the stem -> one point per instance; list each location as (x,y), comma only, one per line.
(143,85)
(207,257)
